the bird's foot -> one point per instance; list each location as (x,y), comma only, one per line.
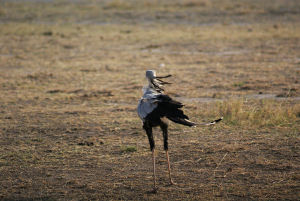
(172,182)
(154,190)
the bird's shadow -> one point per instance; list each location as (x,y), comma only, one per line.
(153,191)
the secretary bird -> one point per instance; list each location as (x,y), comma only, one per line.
(154,108)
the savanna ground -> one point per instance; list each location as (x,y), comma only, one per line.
(72,73)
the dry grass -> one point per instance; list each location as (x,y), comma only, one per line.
(71,75)
(259,113)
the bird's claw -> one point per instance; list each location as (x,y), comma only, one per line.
(154,191)
(172,182)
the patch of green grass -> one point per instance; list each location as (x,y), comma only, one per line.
(118,4)
(128,149)
(238,84)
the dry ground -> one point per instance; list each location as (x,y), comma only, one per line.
(71,74)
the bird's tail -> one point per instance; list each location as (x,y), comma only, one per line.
(185,122)
(212,122)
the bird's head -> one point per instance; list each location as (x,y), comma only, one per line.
(150,74)
(155,81)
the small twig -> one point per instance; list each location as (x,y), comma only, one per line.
(198,160)
(219,163)
(183,161)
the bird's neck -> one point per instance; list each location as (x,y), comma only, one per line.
(155,85)
(150,90)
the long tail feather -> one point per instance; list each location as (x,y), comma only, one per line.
(212,122)
(185,122)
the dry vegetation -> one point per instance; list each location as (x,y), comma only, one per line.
(71,75)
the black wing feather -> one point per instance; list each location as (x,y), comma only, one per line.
(167,107)
(168,102)
(170,109)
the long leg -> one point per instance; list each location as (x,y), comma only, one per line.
(148,130)
(154,175)
(164,128)
(169,168)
